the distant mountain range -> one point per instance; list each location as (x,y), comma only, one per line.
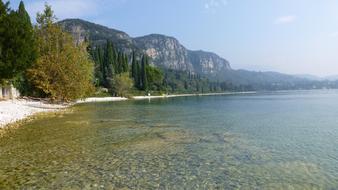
(168,53)
(165,51)
(316,78)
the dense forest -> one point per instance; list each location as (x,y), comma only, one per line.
(111,64)
(45,61)
(42,60)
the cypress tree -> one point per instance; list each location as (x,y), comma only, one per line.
(134,71)
(125,64)
(100,58)
(17,42)
(3,17)
(108,65)
(115,55)
(117,64)
(95,52)
(138,75)
(23,13)
(144,65)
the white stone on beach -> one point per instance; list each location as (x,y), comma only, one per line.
(14,110)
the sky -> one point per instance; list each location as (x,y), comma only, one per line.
(289,36)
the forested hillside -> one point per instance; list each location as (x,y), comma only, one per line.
(72,59)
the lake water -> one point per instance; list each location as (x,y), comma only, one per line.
(280,140)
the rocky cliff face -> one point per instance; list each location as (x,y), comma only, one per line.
(168,52)
(97,34)
(208,63)
(165,51)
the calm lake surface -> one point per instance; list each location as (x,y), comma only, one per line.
(280,140)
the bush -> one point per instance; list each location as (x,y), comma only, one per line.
(122,85)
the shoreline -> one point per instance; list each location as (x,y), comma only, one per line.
(113,99)
(12,111)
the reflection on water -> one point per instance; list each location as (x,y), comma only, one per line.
(226,142)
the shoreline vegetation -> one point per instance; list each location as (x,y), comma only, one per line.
(13,111)
(55,65)
(42,61)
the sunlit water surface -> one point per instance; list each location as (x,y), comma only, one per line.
(284,140)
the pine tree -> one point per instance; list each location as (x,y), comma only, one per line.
(17,43)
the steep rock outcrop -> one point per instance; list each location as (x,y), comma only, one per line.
(165,51)
(208,63)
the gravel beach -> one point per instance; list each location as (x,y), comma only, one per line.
(15,110)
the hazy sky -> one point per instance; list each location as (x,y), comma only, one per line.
(290,36)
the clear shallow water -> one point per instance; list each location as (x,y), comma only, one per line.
(284,140)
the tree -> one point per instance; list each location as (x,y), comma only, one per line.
(144,64)
(3,8)
(122,84)
(17,42)
(154,78)
(99,64)
(125,66)
(118,63)
(138,75)
(23,13)
(95,55)
(109,68)
(63,70)
(134,67)
(47,18)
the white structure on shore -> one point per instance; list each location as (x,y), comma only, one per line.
(8,92)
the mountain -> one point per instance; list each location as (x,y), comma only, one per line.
(316,78)
(310,77)
(332,78)
(168,53)
(165,51)
(97,34)
(208,62)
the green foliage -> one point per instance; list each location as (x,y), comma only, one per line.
(108,63)
(154,78)
(63,71)
(23,13)
(135,70)
(122,84)
(17,42)
(98,57)
(187,82)
(143,73)
(146,77)
(47,18)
